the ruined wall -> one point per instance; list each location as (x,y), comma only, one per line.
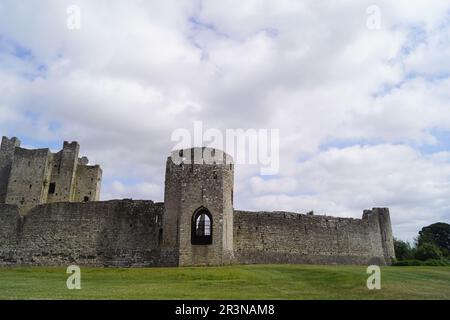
(281,237)
(28,180)
(6,158)
(87,183)
(10,227)
(111,233)
(387,238)
(126,233)
(32,177)
(63,173)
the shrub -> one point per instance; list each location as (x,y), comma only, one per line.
(415,262)
(427,251)
(403,250)
(411,262)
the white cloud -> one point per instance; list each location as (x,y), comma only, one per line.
(346,181)
(138,70)
(261,186)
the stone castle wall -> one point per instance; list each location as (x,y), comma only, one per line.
(28,182)
(129,233)
(87,183)
(7,148)
(50,215)
(282,237)
(64,166)
(112,233)
(10,227)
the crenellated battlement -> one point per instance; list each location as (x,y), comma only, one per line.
(8,144)
(73,145)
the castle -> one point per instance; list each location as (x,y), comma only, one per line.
(32,177)
(50,215)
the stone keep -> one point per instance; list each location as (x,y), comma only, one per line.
(32,177)
(199,181)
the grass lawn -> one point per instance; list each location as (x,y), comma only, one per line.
(230,282)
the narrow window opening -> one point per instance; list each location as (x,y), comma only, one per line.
(160,235)
(86,199)
(52,188)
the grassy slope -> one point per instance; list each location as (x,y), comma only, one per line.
(232,282)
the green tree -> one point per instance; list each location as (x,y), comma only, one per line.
(403,250)
(427,251)
(437,234)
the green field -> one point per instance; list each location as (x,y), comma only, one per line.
(231,282)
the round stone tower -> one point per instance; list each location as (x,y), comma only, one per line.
(198,218)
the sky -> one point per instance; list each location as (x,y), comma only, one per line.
(359,91)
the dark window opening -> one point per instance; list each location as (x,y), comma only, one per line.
(52,188)
(86,199)
(31,186)
(201,227)
(160,236)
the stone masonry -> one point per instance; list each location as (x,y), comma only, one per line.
(32,177)
(196,225)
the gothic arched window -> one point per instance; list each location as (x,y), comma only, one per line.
(201,228)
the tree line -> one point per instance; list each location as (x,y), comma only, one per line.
(431,247)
